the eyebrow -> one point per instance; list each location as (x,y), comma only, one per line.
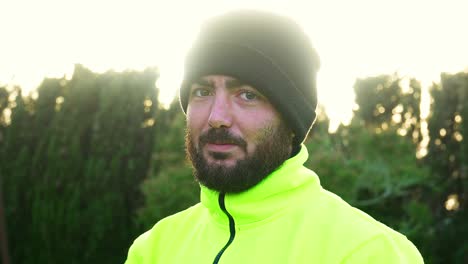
(230,84)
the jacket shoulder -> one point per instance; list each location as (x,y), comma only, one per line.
(144,247)
(368,240)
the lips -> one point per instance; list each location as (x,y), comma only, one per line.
(220,147)
(220,140)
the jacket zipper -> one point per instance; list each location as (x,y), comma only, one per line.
(232,228)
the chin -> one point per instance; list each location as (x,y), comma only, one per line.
(224,163)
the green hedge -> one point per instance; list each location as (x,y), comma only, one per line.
(72,161)
(90,163)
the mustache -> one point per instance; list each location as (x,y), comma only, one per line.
(221,136)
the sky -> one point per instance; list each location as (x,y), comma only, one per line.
(354,39)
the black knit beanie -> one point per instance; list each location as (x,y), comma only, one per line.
(267,51)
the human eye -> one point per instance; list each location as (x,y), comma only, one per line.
(201,92)
(249,95)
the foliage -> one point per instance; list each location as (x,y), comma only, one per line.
(71,164)
(92,162)
(171,173)
(383,102)
(448,159)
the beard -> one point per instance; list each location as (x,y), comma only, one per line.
(273,147)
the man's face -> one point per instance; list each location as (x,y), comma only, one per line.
(235,137)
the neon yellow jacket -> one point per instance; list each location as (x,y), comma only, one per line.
(287,218)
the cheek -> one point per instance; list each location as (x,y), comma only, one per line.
(259,127)
(193,118)
(194,124)
(197,115)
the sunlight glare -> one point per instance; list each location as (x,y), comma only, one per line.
(359,39)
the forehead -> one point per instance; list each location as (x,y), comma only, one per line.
(217,77)
(224,80)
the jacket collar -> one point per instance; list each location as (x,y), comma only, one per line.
(280,190)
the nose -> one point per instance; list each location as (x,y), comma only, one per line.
(220,115)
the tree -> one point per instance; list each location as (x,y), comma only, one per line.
(73,160)
(447,157)
(171,187)
(383,103)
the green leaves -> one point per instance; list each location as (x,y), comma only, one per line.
(73,160)
(92,162)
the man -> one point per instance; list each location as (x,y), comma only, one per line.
(249,96)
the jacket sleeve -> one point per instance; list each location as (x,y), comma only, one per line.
(385,250)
